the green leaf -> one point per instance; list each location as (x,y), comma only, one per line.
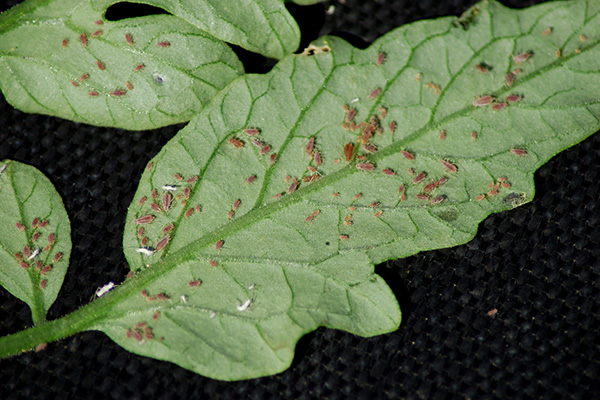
(63,58)
(243,243)
(35,237)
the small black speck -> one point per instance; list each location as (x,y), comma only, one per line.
(326,243)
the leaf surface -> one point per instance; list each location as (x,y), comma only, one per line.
(35,237)
(265,216)
(63,58)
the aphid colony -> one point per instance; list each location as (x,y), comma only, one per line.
(37,254)
(127,39)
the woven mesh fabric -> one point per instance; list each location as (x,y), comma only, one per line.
(538,265)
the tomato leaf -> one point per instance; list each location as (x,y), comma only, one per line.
(264,217)
(35,237)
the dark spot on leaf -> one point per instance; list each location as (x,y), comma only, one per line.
(448,215)
(514,199)
(326,243)
(124,10)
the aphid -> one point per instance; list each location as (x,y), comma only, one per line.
(140,325)
(230,214)
(348,217)
(129,39)
(336,194)
(26,251)
(273,158)
(35,237)
(142,201)
(198,208)
(312,216)
(378,213)
(101,291)
(357,196)
(118,92)
(20,226)
(145,219)
(407,155)
(433,86)
(449,166)
(64,42)
(156,314)
(410,171)
(23,265)
(212,263)
(144,241)
(369,148)
(505,184)
(344,237)
(251,131)
(422,196)
(308,149)
(38,265)
(33,254)
(98,22)
(392,127)
(238,144)
(18,256)
(145,251)
(244,306)
(43,224)
(557,53)
(163,44)
(547,31)
(257,143)
(442,134)
(41,347)
(418,77)
(186,193)
(264,150)
(582,38)
(140,232)
(438,200)
(168,228)
(375,93)
(380,58)
(492,312)
(481,68)
(250,179)
(93,93)
(83,39)
(480,197)
(473,135)
(483,101)
(499,106)
(218,245)
(138,67)
(382,112)
(311,178)
(317,158)
(155,207)
(388,172)
(519,58)
(100,65)
(577,50)
(34,222)
(420,176)
(162,243)
(365,166)
(350,115)
(129,86)
(84,77)
(137,336)
(194,283)
(374,204)
(513,98)
(519,152)
(154,192)
(162,296)
(402,197)
(293,186)
(429,187)
(401,188)
(43,284)
(348,151)
(192,179)
(74,83)
(97,33)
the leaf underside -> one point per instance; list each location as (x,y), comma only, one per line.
(35,237)
(241,244)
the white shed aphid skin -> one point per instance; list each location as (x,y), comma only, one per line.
(2,168)
(169,188)
(244,306)
(184,298)
(252,286)
(145,251)
(101,291)
(212,314)
(33,254)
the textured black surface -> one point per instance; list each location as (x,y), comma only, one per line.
(538,265)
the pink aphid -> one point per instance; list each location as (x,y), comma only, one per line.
(155,207)
(519,58)
(317,158)
(100,65)
(312,216)
(51,239)
(380,58)
(20,226)
(442,134)
(168,228)
(64,42)
(188,212)
(438,200)
(163,44)
(483,101)
(365,167)
(293,186)
(388,172)
(166,201)
(93,93)
(350,114)
(186,192)
(129,39)
(83,39)
(407,155)
(35,237)
(97,33)
(138,67)
(308,149)
(84,77)
(140,232)
(192,179)
(251,131)
(212,263)
(422,196)
(46,269)
(74,83)
(499,106)
(162,243)
(154,192)
(449,166)
(375,93)
(369,148)
(273,158)
(43,284)
(519,152)
(129,86)
(509,78)
(392,127)
(420,176)
(429,187)
(57,257)
(43,224)
(513,98)
(238,144)
(251,179)
(194,283)
(142,200)
(264,150)
(144,219)
(117,93)
(23,265)
(218,245)
(98,22)
(236,204)
(26,251)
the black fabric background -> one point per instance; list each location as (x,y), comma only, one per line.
(538,265)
